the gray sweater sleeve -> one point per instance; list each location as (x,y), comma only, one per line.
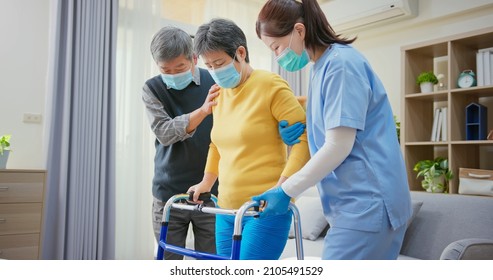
(167,130)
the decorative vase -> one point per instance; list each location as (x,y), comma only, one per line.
(426,87)
(3,159)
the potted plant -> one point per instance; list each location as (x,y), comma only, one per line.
(426,80)
(436,174)
(4,150)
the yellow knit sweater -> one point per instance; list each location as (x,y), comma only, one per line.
(247,152)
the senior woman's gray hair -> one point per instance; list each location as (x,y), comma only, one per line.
(220,35)
(171,42)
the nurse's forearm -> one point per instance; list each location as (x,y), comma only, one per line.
(338,145)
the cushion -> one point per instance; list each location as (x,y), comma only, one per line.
(312,217)
(416,205)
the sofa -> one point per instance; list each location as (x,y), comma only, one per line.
(443,226)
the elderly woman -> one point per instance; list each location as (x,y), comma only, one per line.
(247,154)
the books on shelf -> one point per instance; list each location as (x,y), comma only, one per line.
(433,137)
(439,128)
(444,123)
(484,64)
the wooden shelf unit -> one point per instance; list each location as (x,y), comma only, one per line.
(418,108)
(21,213)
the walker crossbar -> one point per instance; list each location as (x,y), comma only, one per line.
(211,210)
(190,252)
(238,213)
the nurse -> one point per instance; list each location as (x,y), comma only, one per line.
(356,162)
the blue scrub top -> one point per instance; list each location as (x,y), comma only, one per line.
(371,183)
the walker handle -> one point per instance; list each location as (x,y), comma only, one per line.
(205,197)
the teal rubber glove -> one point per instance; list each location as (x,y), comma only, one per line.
(290,134)
(277,202)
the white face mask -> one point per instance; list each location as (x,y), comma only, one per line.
(226,76)
(178,81)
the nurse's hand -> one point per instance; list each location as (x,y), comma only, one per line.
(277,202)
(291,133)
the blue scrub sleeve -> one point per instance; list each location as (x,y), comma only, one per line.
(346,100)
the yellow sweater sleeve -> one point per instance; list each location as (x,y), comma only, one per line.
(285,106)
(212,165)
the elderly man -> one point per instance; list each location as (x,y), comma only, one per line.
(178,106)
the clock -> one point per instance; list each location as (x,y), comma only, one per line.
(466,79)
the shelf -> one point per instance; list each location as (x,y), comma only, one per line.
(483,91)
(429,143)
(418,109)
(435,96)
(472,142)
(476,40)
(427,50)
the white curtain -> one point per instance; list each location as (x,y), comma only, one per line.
(298,81)
(137,23)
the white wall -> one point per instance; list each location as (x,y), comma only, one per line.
(438,18)
(23,64)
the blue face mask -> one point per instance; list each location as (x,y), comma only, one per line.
(290,60)
(178,81)
(226,76)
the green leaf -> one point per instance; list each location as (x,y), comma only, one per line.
(431,169)
(427,77)
(4,143)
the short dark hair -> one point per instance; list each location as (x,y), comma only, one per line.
(278,17)
(220,35)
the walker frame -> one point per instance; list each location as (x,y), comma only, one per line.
(237,231)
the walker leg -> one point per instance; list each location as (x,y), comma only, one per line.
(236,246)
(297,231)
(162,237)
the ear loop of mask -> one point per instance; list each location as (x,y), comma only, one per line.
(290,40)
(241,69)
(286,50)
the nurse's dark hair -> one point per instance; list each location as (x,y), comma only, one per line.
(171,42)
(278,17)
(220,35)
